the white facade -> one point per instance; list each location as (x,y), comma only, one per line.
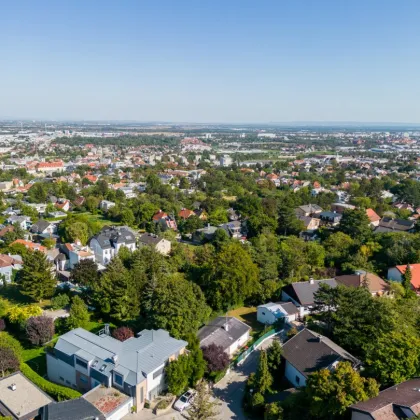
(105,205)
(303,310)
(238,344)
(294,376)
(163,246)
(60,372)
(226,161)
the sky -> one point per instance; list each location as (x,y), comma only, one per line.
(211,60)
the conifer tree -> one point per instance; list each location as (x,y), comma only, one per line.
(263,379)
(407,278)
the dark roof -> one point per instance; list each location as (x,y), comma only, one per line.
(388,224)
(330,215)
(310,208)
(309,352)
(111,235)
(303,291)
(289,307)
(405,394)
(78,409)
(375,283)
(149,239)
(215,332)
(39,226)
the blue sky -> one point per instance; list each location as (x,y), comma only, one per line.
(211,61)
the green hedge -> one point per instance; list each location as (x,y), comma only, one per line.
(58,392)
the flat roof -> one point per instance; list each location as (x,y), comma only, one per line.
(26,399)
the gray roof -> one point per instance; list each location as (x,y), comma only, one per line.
(289,307)
(39,226)
(311,208)
(303,291)
(114,235)
(135,356)
(309,352)
(78,409)
(215,332)
(149,239)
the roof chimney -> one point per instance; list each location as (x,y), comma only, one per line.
(311,280)
(226,326)
(13,387)
(319,338)
(115,359)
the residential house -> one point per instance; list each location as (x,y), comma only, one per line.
(233,215)
(227,332)
(270,312)
(341,207)
(401,401)
(233,229)
(8,263)
(24,222)
(50,167)
(31,245)
(374,218)
(310,223)
(308,210)
(184,214)
(307,352)
(62,205)
(396,274)
(77,252)
(135,367)
(108,242)
(201,214)
(43,227)
(205,234)
(79,201)
(6,229)
(161,245)
(330,218)
(77,409)
(20,398)
(105,205)
(165,221)
(360,278)
(302,294)
(389,224)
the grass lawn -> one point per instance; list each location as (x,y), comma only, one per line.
(249,316)
(12,294)
(99,218)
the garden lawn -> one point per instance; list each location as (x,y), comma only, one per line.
(248,315)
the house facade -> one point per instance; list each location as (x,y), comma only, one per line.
(270,313)
(161,245)
(108,242)
(83,360)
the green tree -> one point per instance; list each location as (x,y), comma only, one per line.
(338,247)
(331,392)
(116,292)
(218,216)
(177,374)
(406,278)
(35,278)
(394,357)
(176,305)
(356,224)
(77,231)
(91,203)
(288,223)
(263,378)
(127,217)
(203,406)
(273,411)
(274,353)
(198,364)
(85,273)
(79,314)
(233,279)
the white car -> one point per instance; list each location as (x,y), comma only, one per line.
(184,401)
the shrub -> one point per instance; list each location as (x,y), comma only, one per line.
(257,401)
(60,301)
(123,333)
(162,404)
(58,392)
(9,363)
(2,324)
(6,340)
(40,329)
(217,376)
(216,358)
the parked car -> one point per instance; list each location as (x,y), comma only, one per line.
(184,400)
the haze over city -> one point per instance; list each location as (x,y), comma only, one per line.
(219,61)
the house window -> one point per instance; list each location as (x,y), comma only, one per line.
(61,378)
(68,382)
(83,379)
(263,313)
(118,379)
(297,379)
(158,373)
(81,363)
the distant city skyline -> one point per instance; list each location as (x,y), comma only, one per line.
(304,62)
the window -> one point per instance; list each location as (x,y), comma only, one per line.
(297,380)
(83,379)
(263,313)
(141,394)
(118,379)
(158,373)
(68,382)
(61,378)
(81,363)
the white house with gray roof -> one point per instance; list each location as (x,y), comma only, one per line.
(108,242)
(83,360)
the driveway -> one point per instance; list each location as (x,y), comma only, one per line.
(229,391)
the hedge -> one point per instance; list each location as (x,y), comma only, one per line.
(58,392)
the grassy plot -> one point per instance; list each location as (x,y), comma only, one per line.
(248,315)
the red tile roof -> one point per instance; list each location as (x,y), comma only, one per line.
(415,273)
(373,216)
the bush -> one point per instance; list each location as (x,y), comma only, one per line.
(217,376)
(162,404)
(6,340)
(123,333)
(216,358)
(9,363)
(40,329)
(58,392)
(257,401)
(60,301)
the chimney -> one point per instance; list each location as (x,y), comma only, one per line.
(13,387)
(226,326)
(115,359)
(311,280)
(319,338)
